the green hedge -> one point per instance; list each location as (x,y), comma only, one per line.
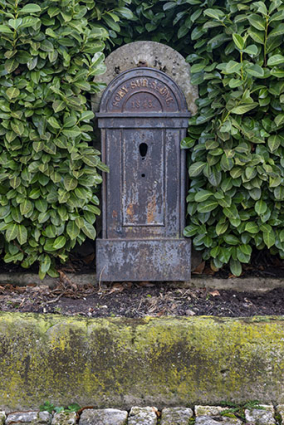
(236,141)
(50,52)
(236,197)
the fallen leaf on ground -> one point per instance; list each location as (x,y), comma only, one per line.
(69,268)
(161,313)
(119,287)
(210,271)
(214,293)
(66,281)
(20,289)
(9,287)
(199,269)
(190,312)
(89,258)
(146,284)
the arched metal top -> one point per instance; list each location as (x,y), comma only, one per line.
(143,92)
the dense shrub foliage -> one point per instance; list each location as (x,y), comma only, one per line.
(236,141)
(236,166)
(237,162)
(50,52)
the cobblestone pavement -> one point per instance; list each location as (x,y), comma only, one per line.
(200,415)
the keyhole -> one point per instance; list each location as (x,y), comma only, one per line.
(143,148)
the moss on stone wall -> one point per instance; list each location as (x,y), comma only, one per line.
(123,362)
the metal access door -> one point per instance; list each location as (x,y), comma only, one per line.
(143,117)
(143,187)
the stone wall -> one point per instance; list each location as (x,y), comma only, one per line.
(123,362)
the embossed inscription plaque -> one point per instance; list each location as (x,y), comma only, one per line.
(143,117)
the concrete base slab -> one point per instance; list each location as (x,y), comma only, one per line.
(249,284)
(143,260)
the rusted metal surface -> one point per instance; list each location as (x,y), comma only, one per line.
(140,260)
(143,117)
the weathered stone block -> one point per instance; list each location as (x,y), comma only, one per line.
(261,417)
(142,416)
(206,420)
(211,415)
(208,410)
(176,415)
(28,418)
(280,411)
(2,418)
(64,418)
(103,417)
